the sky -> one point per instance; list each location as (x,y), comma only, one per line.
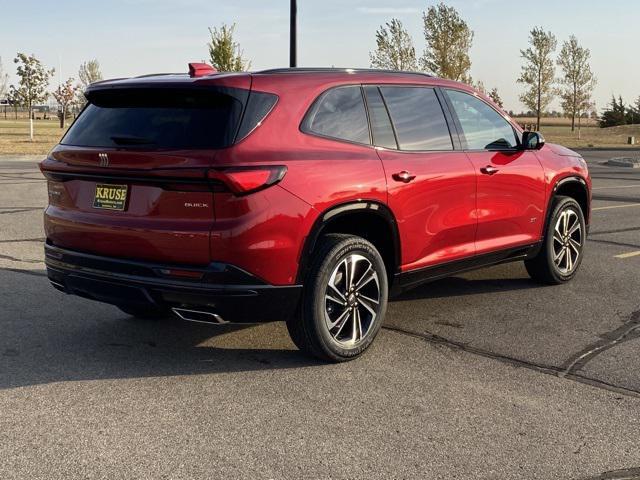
(135,37)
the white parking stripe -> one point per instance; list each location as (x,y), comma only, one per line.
(628,255)
(616,187)
(617,206)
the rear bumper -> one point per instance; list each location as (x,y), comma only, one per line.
(221,289)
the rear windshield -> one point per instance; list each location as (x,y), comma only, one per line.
(158,119)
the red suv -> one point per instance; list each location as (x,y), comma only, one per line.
(304,195)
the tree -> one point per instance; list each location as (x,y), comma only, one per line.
(495,96)
(224,52)
(394,48)
(13,101)
(636,108)
(88,73)
(538,72)
(578,81)
(449,40)
(615,114)
(479,86)
(4,87)
(32,84)
(65,95)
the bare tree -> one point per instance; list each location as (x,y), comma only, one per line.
(394,48)
(224,52)
(65,95)
(32,84)
(88,73)
(538,72)
(578,81)
(449,40)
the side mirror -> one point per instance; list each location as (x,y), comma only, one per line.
(532,140)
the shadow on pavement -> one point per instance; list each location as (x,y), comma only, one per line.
(459,286)
(48,336)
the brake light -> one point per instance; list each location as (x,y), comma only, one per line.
(243,181)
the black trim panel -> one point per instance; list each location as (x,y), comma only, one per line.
(559,183)
(233,294)
(370,207)
(413,278)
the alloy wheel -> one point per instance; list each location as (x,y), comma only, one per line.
(567,241)
(352,300)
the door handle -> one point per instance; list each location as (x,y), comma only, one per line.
(489,170)
(403,176)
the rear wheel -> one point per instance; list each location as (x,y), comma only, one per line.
(562,251)
(344,302)
(144,312)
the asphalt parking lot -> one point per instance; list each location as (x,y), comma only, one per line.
(484,375)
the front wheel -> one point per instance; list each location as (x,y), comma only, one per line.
(344,302)
(563,246)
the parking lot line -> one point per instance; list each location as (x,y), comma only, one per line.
(628,255)
(617,206)
(616,187)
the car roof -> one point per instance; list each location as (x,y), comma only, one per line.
(346,70)
(307,75)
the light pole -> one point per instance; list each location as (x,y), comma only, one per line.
(293,47)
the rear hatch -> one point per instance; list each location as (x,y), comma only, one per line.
(131,178)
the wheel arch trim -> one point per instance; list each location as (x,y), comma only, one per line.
(567,180)
(370,207)
(556,186)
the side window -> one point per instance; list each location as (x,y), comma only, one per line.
(483,127)
(418,118)
(339,113)
(381,128)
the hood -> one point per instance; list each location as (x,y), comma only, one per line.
(563,151)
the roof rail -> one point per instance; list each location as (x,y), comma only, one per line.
(158,74)
(338,70)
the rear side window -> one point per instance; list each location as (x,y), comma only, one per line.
(418,118)
(157,119)
(339,113)
(483,127)
(258,106)
(381,128)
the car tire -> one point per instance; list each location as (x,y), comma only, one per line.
(562,250)
(344,299)
(144,313)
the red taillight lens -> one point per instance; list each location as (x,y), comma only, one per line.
(244,180)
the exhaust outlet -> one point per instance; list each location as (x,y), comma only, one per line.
(198,316)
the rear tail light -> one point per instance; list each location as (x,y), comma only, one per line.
(242,181)
(238,180)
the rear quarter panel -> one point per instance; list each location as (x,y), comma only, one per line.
(268,237)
